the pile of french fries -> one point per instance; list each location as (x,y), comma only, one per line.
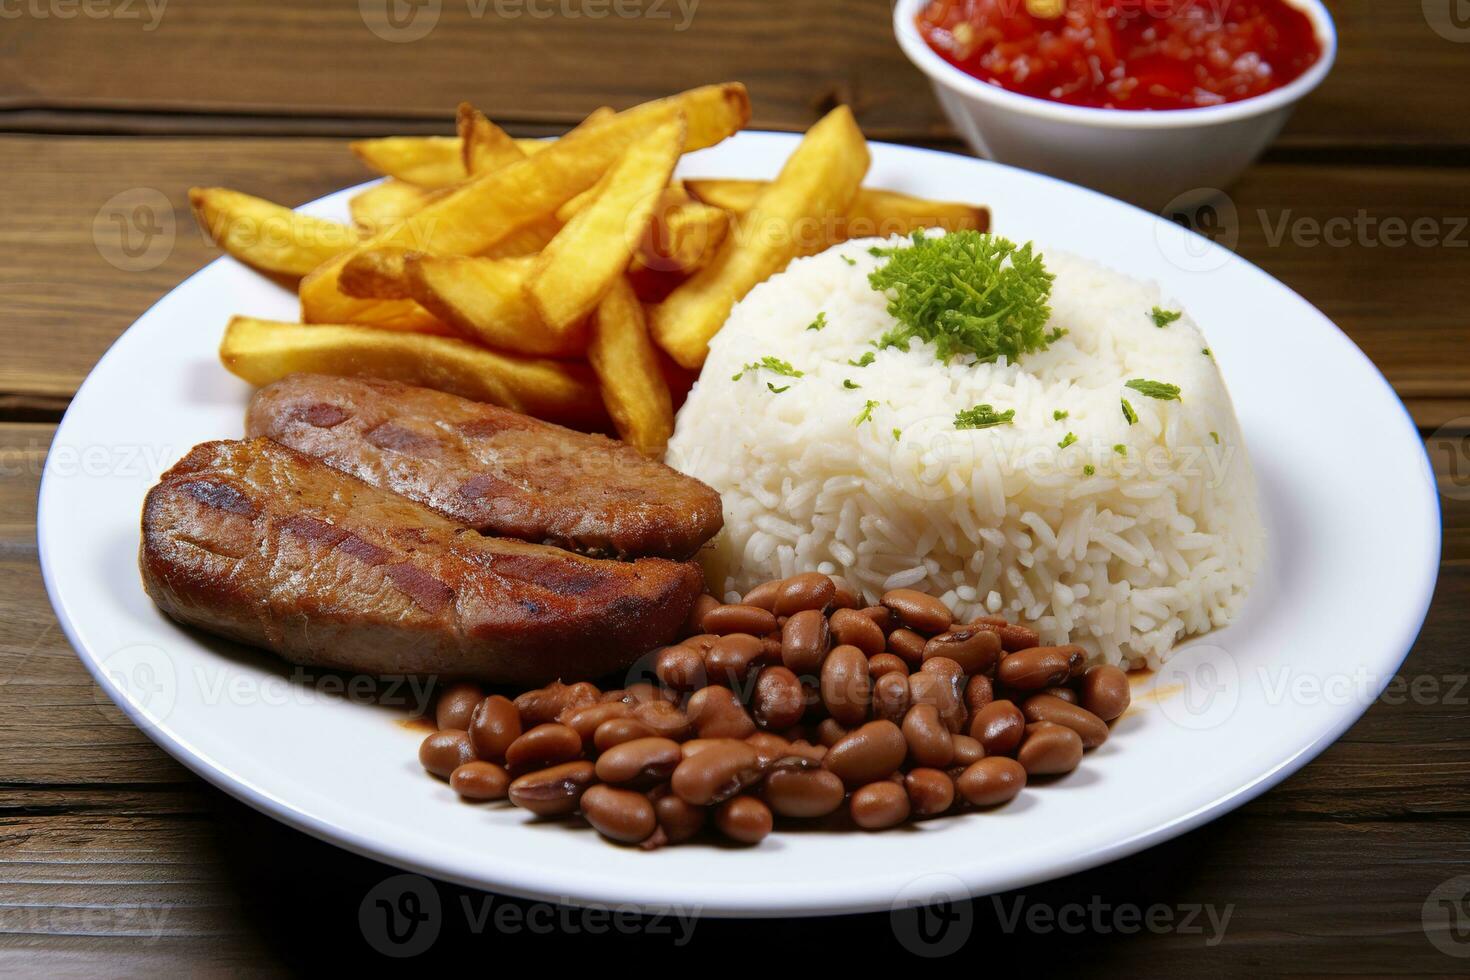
(575,279)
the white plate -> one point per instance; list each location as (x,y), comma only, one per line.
(1354,549)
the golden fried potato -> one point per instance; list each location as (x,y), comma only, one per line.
(384,205)
(818,182)
(485,146)
(485,210)
(627,367)
(683,235)
(873,212)
(582,262)
(267,236)
(377,273)
(427,161)
(485,300)
(263,351)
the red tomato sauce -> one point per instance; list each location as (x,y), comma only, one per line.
(1125,54)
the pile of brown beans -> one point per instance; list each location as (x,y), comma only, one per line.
(795,703)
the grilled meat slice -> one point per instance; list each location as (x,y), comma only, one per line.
(265,545)
(492,469)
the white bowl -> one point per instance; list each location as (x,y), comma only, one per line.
(1152,159)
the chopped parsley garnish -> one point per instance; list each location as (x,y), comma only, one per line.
(1215,436)
(1162,317)
(1058,415)
(850,385)
(819,322)
(866,415)
(968,293)
(1121,449)
(896,434)
(1129,413)
(1088,470)
(1067,440)
(1155,389)
(983,417)
(1207,352)
(863,361)
(849,260)
(775,390)
(773,364)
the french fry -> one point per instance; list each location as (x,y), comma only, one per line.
(485,146)
(377,273)
(873,212)
(427,161)
(477,215)
(627,367)
(683,235)
(384,205)
(267,236)
(485,300)
(819,180)
(579,265)
(263,351)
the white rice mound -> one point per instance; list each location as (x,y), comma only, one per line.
(1153,546)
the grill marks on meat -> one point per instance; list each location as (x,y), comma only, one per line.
(257,542)
(495,470)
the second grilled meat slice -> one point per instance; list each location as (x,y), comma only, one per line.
(489,468)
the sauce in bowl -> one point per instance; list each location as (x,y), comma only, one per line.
(1125,54)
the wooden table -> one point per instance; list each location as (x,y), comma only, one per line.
(114,859)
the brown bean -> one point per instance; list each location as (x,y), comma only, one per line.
(744,819)
(810,590)
(739,619)
(847,691)
(641,762)
(1089,727)
(917,611)
(908,646)
(716,773)
(443,752)
(804,793)
(543,704)
(880,805)
(991,781)
(545,745)
(665,719)
(930,744)
(1105,691)
(979,691)
(1065,693)
(763,595)
(845,597)
(930,791)
(807,750)
(886,663)
(730,660)
(1013,636)
(553,792)
(998,727)
(455,705)
(494,725)
(680,667)
(617,731)
(480,781)
(852,627)
(696,622)
(830,731)
(717,713)
(1049,749)
(779,700)
(940,684)
(618,814)
(974,650)
(678,819)
(891,696)
(967,750)
(869,753)
(585,719)
(1038,667)
(769,748)
(805,639)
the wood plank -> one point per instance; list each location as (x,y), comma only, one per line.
(270,57)
(67,302)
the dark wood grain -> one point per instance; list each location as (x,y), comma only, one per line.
(67,302)
(1395,83)
(115,859)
